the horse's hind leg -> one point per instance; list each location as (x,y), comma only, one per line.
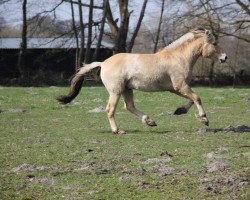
(183,109)
(130,106)
(110,109)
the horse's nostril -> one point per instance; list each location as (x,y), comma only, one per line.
(225,57)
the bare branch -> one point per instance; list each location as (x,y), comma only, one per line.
(236,36)
(138,25)
(238,21)
(243,6)
(52,10)
(111,22)
(83,4)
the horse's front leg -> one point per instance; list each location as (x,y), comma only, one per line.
(183,109)
(187,92)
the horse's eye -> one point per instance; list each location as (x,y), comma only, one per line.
(215,44)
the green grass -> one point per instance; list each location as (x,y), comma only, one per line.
(71,154)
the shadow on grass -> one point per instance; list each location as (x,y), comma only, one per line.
(135,131)
(236,129)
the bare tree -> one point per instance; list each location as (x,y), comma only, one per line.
(119,33)
(101,31)
(76,35)
(87,57)
(159,26)
(121,38)
(4,1)
(132,41)
(23,46)
(81,52)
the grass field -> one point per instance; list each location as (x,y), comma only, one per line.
(53,151)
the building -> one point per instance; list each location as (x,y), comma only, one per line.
(47,58)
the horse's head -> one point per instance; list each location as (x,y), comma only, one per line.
(210,49)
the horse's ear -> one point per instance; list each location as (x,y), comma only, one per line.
(209,35)
(207,32)
(198,32)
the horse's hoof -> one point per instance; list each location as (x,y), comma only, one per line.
(207,123)
(203,120)
(119,132)
(180,111)
(151,123)
(148,121)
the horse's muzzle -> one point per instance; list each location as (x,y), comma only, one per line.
(223,58)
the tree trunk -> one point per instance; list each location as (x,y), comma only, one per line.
(76,36)
(111,22)
(98,45)
(87,57)
(119,33)
(81,51)
(159,27)
(21,63)
(121,39)
(131,44)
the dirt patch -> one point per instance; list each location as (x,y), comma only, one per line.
(246,99)
(126,177)
(29,167)
(92,167)
(17,110)
(101,142)
(143,184)
(166,113)
(76,103)
(157,160)
(158,165)
(224,184)
(98,100)
(42,181)
(99,109)
(239,128)
(218,178)
(219,98)
(83,168)
(215,162)
(161,168)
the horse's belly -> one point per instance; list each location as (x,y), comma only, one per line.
(149,85)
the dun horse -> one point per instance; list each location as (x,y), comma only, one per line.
(167,70)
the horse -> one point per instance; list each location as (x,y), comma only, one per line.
(169,69)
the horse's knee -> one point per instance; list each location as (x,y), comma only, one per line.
(196,99)
(107,108)
(110,111)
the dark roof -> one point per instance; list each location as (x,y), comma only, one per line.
(45,43)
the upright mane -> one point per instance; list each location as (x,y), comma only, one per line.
(186,37)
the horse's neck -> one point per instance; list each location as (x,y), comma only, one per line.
(190,53)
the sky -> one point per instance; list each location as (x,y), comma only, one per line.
(12,11)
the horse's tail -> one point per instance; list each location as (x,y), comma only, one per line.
(76,83)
